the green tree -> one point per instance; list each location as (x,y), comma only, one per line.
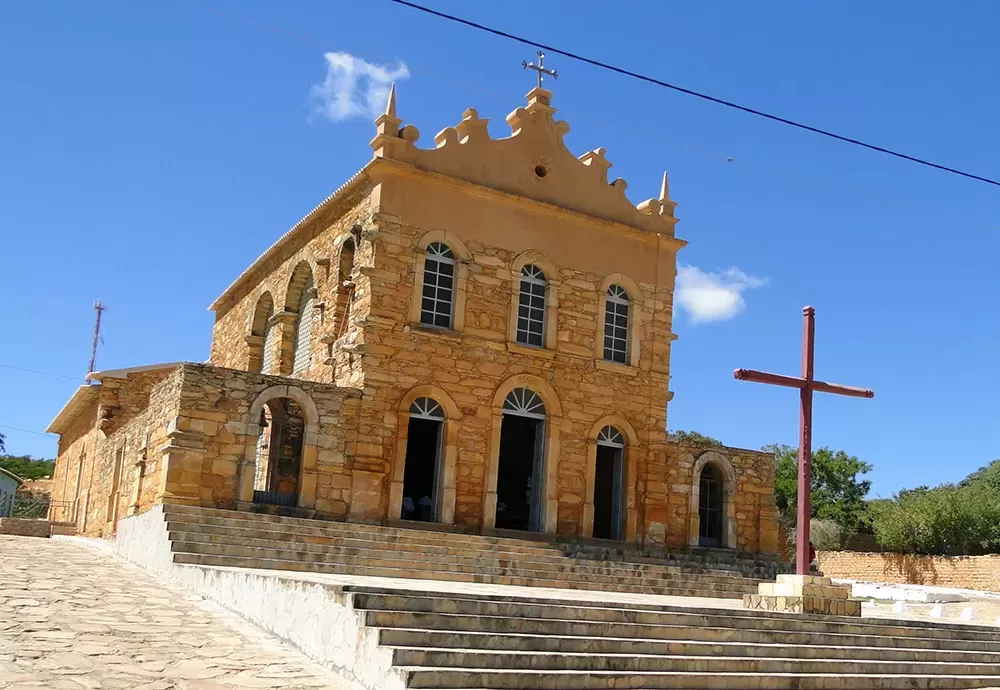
(693,438)
(27,467)
(837,493)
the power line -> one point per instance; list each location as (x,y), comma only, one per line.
(697,94)
(42,373)
(26,431)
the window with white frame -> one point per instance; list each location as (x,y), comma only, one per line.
(438,296)
(531,307)
(616,316)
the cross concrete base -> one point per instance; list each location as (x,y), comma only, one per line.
(803,594)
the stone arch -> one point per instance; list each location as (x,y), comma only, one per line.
(260,321)
(265,304)
(302,272)
(552,278)
(309,453)
(533,256)
(448,238)
(449,459)
(631,474)
(635,318)
(301,291)
(725,467)
(462,258)
(553,423)
(344,288)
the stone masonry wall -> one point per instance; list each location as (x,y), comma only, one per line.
(474,363)
(118,475)
(212,440)
(69,481)
(750,505)
(968,572)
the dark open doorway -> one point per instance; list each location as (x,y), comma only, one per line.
(279,453)
(420,476)
(710,507)
(608,497)
(519,476)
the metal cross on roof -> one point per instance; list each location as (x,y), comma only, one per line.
(540,68)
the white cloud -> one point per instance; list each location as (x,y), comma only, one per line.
(354,87)
(713,296)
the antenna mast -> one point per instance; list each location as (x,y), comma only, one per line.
(99,307)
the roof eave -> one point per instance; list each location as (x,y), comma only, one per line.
(83,396)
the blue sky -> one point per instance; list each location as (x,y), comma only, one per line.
(150,151)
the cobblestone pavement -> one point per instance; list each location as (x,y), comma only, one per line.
(72,617)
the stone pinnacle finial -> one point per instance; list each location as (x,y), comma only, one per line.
(390,106)
(665,188)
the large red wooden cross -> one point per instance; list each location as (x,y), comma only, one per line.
(806,385)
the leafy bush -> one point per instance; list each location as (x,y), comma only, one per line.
(948,520)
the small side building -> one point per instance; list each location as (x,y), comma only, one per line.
(9,483)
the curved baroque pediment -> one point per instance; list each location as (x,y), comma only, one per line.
(532,162)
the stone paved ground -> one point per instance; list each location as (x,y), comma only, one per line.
(72,617)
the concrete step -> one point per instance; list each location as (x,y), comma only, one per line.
(462,604)
(683,628)
(459,678)
(416,561)
(625,663)
(437,575)
(722,560)
(514,642)
(181,533)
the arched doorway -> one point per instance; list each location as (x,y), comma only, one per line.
(521,463)
(424,453)
(279,453)
(711,508)
(609,485)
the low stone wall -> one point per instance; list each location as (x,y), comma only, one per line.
(25,527)
(965,572)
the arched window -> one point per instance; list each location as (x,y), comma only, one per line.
(531,307)
(524,402)
(303,328)
(345,286)
(270,335)
(616,318)
(438,295)
(610,436)
(258,332)
(426,408)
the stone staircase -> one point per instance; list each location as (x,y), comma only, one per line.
(208,537)
(466,640)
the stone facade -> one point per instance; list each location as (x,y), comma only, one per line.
(333,315)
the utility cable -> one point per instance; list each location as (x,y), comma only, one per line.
(697,94)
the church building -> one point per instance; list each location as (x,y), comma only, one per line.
(475,334)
